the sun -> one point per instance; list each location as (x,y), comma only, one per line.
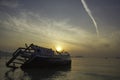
(59,49)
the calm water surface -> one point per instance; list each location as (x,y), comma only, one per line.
(81,69)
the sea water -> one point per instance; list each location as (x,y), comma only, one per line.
(81,69)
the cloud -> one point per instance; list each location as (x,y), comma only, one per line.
(31,27)
(9,3)
(35,24)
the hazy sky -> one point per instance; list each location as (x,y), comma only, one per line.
(66,23)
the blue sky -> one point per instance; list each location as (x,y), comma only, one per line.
(61,22)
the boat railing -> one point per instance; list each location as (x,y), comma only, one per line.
(21,55)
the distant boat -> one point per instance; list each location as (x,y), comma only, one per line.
(36,56)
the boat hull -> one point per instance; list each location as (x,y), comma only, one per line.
(47,62)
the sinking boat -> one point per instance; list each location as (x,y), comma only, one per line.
(35,56)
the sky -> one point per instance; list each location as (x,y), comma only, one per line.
(66,23)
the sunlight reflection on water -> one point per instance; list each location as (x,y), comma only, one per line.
(81,69)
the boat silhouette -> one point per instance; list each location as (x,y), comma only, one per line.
(35,56)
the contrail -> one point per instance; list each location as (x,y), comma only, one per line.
(90,15)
